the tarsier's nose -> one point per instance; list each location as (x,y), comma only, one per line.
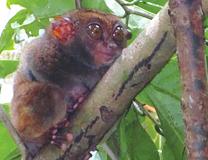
(112,47)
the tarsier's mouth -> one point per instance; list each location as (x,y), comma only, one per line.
(107,55)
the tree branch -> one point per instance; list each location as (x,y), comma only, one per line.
(187,18)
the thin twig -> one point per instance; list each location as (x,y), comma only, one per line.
(78,4)
(137,104)
(128,10)
(129,3)
(127,21)
(109,151)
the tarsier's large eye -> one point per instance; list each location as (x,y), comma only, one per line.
(118,34)
(95,31)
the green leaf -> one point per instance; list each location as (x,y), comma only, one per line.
(32,29)
(6,36)
(13,155)
(167,153)
(135,143)
(206,22)
(96,4)
(137,24)
(7,143)
(9,45)
(206,34)
(45,8)
(7,67)
(164,94)
(101,154)
(7,147)
(152,6)
(6,107)
(115,7)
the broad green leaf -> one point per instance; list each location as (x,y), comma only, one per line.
(7,67)
(45,8)
(151,7)
(137,24)
(156,2)
(9,45)
(206,22)
(32,29)
(168,80)
(7,143)
(135,143)
(164,94)
(96,4)
(150,129)
(7,146)
(101,154)
(13,155)
(167,153)
(6,108)
(6,36)
(115,7)
(206,34)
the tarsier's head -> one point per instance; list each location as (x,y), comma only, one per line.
(95,38)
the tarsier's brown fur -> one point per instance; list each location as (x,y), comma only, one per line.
(59,69)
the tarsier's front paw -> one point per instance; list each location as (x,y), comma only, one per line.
(57,140)
(72,107)
(80,99)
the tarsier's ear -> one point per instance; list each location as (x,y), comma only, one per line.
(128,34)
(62,28)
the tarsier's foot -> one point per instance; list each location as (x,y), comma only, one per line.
(71,108)
(57,140)
(80,99)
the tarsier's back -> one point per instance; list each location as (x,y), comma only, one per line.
(59,69)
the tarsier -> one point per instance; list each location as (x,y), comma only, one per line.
(59,69)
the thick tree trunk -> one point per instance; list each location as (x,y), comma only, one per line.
(187,18)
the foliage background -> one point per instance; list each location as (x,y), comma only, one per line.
(136,136)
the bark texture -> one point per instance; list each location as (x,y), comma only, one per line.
(187,19)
